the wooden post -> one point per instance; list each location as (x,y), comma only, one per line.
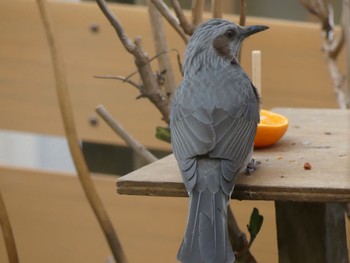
(311,232)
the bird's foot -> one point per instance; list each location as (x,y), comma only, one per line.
(252,166)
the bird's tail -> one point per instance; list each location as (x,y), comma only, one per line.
(206,238)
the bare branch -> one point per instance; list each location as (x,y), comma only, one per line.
(72,138)
(197,12)
(150,87)
(242,12)
(7,233)
(216,8)
(338,81)
(186,26)
(125,135)
(139,86)
(159,54)
(335,47)
(331,47)
(128,44)
(127,80)
(323,10)
(161,46)
(164,10)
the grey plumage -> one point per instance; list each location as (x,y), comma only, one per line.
(213,123)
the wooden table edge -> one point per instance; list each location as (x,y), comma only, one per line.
(241,192)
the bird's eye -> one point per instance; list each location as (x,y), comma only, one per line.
(230,33)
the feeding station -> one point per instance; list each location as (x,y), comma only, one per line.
(306,175)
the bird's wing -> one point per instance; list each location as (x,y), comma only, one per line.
(192,133)
(215,115)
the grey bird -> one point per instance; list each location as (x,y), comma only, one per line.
(213,122)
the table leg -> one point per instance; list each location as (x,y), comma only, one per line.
(311,232)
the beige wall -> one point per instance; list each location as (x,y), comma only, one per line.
(51,218)
(294,73)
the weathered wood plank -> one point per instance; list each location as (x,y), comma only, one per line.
(318,136)
(311,232)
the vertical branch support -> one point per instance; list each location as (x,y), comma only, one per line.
(73,142)
(242,12)
(197,12)
(217,8)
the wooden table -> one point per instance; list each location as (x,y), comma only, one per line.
(309,203)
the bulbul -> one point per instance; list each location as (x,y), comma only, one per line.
(214,117)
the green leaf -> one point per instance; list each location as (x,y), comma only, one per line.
(255,223)
(163,134)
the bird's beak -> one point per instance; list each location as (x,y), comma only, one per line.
(250,30)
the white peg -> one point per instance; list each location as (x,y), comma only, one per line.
(256,70)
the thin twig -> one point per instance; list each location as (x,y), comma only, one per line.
(131,82)
(73,142)
(186,26)
(164,10)
(125,135)
(7,233)
(160,45)
(127,78)
(122,79)
(216,8)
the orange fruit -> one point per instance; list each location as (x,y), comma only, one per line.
(271,128)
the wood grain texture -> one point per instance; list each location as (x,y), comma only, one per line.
(319,137)
(317,227)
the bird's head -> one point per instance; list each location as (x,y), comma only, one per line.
(215,42)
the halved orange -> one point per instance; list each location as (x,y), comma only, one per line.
(271,128)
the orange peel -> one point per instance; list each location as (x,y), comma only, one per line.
(271,128)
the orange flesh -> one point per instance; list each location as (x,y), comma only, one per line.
(271,128)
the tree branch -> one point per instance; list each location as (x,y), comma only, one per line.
(160,45)
(122,79)
(125,135)
(7,233)
(197,12)
(216,8)
(242,12)
(331,47)
(186,26)
(73,142)
(164,10)
(150,87)
(238,239)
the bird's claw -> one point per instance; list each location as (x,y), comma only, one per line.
(251,167)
